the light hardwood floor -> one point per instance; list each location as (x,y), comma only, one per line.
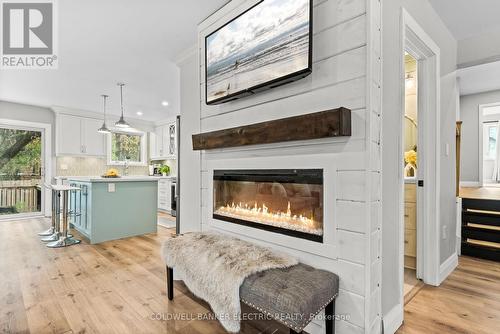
(113,287)
(116,287)
(468,301)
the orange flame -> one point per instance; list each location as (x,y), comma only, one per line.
(264,216)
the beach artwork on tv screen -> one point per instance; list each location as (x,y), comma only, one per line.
(268,42)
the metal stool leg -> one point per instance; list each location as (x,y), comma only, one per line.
(56,217)
(52,228)
(64,240)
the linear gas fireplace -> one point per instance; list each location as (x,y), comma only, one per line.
(287,201)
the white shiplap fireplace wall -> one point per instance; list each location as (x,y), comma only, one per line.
(346,72)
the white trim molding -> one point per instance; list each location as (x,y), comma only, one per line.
(481,119)
(447,267)
(420,45)
(415,41)
(393,320)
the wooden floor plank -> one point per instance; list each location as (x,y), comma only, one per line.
(468,301)
(119,287)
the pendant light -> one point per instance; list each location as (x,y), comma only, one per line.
(121,122)
(104,128)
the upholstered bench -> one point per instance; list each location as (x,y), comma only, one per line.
(293,296)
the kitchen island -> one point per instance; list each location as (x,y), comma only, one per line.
(113,208)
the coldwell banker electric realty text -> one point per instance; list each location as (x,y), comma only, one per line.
(28,34)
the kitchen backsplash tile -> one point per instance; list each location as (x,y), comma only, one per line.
(92,166)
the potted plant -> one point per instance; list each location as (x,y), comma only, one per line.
(165,170)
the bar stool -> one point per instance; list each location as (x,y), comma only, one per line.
(54,232)
(64,239)
(51,229)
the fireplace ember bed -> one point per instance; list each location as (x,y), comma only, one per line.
(286,201)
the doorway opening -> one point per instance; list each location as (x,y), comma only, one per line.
(489,150)
(412,281)
(416,43)
(24,157)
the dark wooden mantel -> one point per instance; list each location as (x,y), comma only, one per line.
(323,124)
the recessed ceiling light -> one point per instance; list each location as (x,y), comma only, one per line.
(139,113)
(164,103)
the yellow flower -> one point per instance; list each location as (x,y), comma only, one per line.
(411,157)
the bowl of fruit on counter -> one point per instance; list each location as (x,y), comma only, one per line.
(111,173)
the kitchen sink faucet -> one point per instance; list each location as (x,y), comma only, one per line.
(125,171)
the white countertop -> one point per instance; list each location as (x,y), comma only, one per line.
(63,188)
(130,178)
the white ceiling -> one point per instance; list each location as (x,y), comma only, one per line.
(469,18)
(479,78)
(103,42)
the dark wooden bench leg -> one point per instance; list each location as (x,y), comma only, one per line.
(170,283)
(330,317)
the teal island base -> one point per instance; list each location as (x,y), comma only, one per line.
(109,209)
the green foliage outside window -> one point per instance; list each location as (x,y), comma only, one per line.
(125,146)
(20,154)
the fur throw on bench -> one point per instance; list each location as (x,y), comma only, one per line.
(214,266)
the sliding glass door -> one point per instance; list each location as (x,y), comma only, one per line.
(21,171)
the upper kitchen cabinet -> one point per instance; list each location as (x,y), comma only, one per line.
(79,136)
(163,142)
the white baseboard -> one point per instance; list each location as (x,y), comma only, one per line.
(469,184)
(393,319)
(447,267)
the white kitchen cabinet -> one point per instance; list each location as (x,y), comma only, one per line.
(163,142)
(93,141)
(171,144)
(68,135)
(160,133)
(152,145)
(164,196)
(79,136)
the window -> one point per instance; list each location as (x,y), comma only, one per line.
(490,142)
(21,163)
(125,146)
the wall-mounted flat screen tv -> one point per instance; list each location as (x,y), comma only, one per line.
(268,45)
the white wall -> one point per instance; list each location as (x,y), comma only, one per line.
(469,114)
(479,49)
(189,160)
(426,17)
(346,72)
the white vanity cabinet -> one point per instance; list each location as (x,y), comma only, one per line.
(78,136)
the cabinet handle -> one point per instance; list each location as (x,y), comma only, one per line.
(406,216)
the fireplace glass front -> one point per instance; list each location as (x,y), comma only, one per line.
(287,201)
